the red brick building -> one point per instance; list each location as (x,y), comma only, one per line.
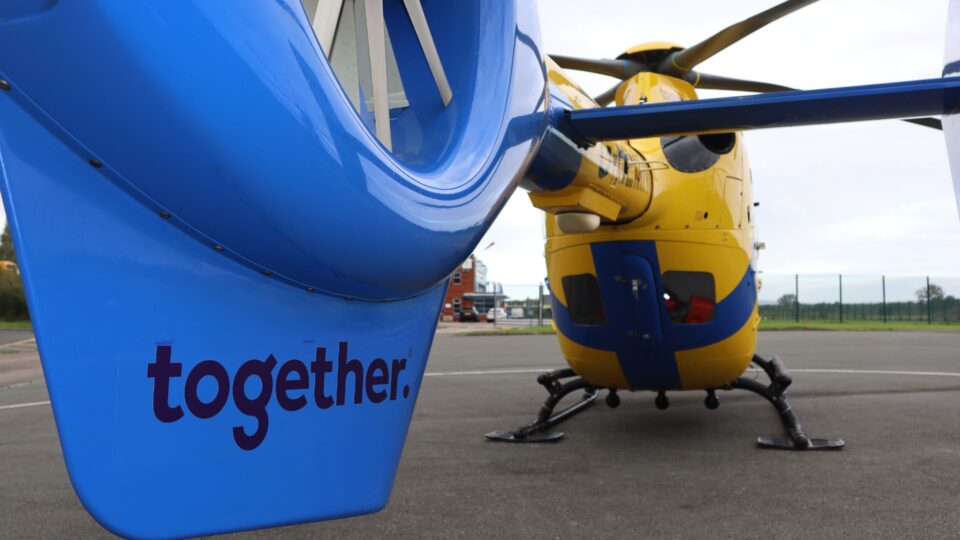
(468,291)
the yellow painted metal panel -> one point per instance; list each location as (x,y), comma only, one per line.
(716,365)
(727,265)
(568,262)
(583,200)
(601,368)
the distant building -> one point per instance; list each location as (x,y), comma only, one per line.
(469,289)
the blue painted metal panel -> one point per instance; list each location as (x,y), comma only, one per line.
(779,109)
(228,117)
(199,384)
(646,300)
(557,161)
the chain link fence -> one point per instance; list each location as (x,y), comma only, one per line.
(522,305)
(796,297)
(839,298)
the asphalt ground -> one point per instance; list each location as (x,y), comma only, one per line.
(632,472)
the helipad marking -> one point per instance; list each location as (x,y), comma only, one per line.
(28,341)
(541,370)
(876,372)
(22,405)
(815,371)
(487,372)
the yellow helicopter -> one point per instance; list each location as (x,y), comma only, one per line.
(650,247)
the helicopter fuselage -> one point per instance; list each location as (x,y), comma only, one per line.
(665,298)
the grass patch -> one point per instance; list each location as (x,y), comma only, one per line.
(513,331)
(765,325)
(859,326)
(16,325)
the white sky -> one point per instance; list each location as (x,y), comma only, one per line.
(866,198)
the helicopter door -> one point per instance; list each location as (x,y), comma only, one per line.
(733,195)
(643,300)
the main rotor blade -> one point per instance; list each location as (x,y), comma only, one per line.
(716,82)
(929,122)
(781,109)
(620,69)
(689,58)
(608,96)
(708,82)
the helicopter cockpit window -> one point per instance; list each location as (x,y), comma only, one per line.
(690,296)
(583,300)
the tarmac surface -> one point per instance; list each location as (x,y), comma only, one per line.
(632,472)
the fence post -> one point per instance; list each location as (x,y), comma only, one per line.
(884,299)
(540,308)
(796,296)
(841,297)
(496,304)
(929,304)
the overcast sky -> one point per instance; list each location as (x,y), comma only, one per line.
(864,198)
(867,198)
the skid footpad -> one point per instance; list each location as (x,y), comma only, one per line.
(536,437)
(783,443)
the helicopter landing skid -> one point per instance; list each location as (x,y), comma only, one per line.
(775,393)
(536,431)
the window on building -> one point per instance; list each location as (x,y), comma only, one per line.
(457,278)
(456,305)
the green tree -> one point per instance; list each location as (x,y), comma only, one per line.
(787,300)
(6,245)
(13,302)
(936,293)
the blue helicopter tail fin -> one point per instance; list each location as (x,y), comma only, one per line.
(191,394)
(233,285)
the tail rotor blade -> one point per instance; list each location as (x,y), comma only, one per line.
(376,40)
(323,18)
(689,58)
(419,19)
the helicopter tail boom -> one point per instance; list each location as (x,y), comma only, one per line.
(781,109)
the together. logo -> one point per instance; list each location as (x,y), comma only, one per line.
(378,382)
